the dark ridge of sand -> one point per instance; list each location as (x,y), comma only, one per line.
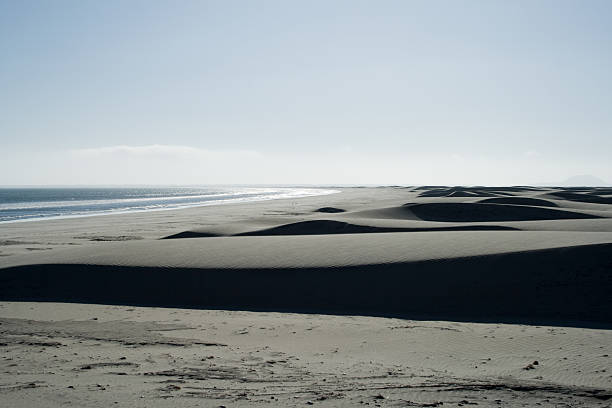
(461,194)
(523,188)
(428,187)
(330,210)
(191,234)
(320,227)
(519,201)
(476,212)
(513,189)
(325,227)
(594,190)
(571,286)
(583,197)
(389,213)
(471,212)
(454,192)
(475,191)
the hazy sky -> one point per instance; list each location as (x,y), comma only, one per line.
(394,92)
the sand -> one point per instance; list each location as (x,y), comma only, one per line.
(373,296)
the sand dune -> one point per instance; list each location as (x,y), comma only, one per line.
(324,227)
(329,210)
(519,201)
(474,212)
(586,197)
(470,191)
(511,287)
(460,275)
(191,234)
(499,287)
(364,251)
(444,259)
(321,227)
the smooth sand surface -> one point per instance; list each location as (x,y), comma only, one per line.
(498,278)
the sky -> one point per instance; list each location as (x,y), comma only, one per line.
(306,92)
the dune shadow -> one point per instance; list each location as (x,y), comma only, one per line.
(562,286)
(320,227)
(191,234)
(476,191)
(326,227)
(478,212)
(585,197)
(519,201)
(330,210)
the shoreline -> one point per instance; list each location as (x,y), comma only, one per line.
(322,192)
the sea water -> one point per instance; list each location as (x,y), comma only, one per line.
(28,204)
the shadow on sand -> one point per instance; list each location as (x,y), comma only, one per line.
(563,286)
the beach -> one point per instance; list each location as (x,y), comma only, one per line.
(387,296)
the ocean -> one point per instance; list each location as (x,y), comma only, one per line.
(29,204)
